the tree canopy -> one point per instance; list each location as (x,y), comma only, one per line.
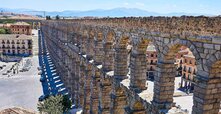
(55,105)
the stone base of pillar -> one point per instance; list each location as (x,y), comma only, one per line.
(159,108)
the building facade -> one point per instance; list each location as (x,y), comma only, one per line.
(151,61)
(185,62)
(12,44)
(188,71)
(21,28)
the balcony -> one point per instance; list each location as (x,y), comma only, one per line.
(189,71)
(179,68)
(152,63)
(3,42)
(23,47)
(13,42)
(8,42)
(29,47)
(23,42)
(18,43)
(29,42)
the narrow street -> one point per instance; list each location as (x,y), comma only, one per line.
(51,83)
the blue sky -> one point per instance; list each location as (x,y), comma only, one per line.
(160,6)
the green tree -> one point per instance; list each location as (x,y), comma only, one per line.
(55,105)
(2,31)
(66,103)
(48,17)
(8,31)
(57,17)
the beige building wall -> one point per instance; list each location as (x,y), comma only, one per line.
(15,44)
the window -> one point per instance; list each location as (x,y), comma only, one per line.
(151,62)
(151,55)
(151,68)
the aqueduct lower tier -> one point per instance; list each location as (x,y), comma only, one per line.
(91,57)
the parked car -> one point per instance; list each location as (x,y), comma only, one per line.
(39,68)
(4,73)
(40,72)
(43,97)
(42,79)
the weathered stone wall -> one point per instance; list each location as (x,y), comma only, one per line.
(91,57)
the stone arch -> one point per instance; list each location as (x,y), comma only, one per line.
(166,72)
(209,88)
(173,47)
(138,63)
(212,59)
(110,36)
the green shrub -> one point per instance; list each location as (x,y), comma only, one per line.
(55,105)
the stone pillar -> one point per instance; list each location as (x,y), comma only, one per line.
(87,89)
(120,63)
(95,84)
(118,97)
(163,87)
(108,61)
(105,99)
(105,85)
(207,91)
(138,69)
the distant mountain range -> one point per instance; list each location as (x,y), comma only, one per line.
(117,12)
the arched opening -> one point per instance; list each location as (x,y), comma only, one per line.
(175,77)
(138,65)
(151,56)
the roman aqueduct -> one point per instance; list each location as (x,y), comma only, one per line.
(91,57)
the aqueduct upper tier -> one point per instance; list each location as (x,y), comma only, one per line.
(91,57)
